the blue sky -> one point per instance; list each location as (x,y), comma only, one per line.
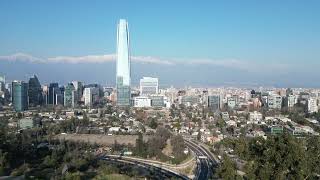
(266,34)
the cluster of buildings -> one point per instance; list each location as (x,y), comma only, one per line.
(32,94)
(24,95)
(244,99)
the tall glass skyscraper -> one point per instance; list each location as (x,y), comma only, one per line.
(78,86)
(34,92)
(54,92)
(20,95)
(123,64)
(69,95)
(2,82)
(214,103)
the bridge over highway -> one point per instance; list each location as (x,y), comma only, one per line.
(146,165)
(206,162)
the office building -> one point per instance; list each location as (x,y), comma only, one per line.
(70,95)
(142,101)
(52,91)
(55,94)
(214,103)
(3,92)
(2,89)
(78,86)
(189,100)
(45,94)
(91,95)
(2,83)
(149,86)
(274,101)
(231,102)
(157,101)
(312,105)
(98,87)
(34,92)
(20,95)
(123,64)
(2,78)
(60,96)
(289,101)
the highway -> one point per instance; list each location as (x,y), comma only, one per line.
(167,173)
(156,163)
(206,161)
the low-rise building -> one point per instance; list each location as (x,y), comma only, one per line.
(225,116)
(255,116)
(26,123)
(276,129)
(142,101)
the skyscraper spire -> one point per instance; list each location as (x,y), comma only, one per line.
(123,64)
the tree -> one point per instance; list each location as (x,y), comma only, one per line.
(140,148)
(313,155)
(153,123)
(106,170)
(178,147)
(4,163)
(221,124)
(73,176)
(278,157)
(241,148)
(163,133)
(227,170)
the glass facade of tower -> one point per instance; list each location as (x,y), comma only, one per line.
(53,93)
(20,95)
(78,86)
(214,103)
(123,64)
(2,83)
(69,95)
(34,91)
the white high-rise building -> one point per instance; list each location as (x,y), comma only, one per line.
(149,86)
(274,101)
(291,101)
(312,105)
(123,64)
(90,95)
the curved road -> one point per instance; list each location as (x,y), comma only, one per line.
(206,162)
(166,172)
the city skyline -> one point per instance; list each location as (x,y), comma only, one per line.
(208,47)
(193,90)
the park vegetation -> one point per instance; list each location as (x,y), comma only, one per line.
(277,157)
(153,147)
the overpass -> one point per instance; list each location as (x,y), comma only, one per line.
(146,165)
(206,162)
